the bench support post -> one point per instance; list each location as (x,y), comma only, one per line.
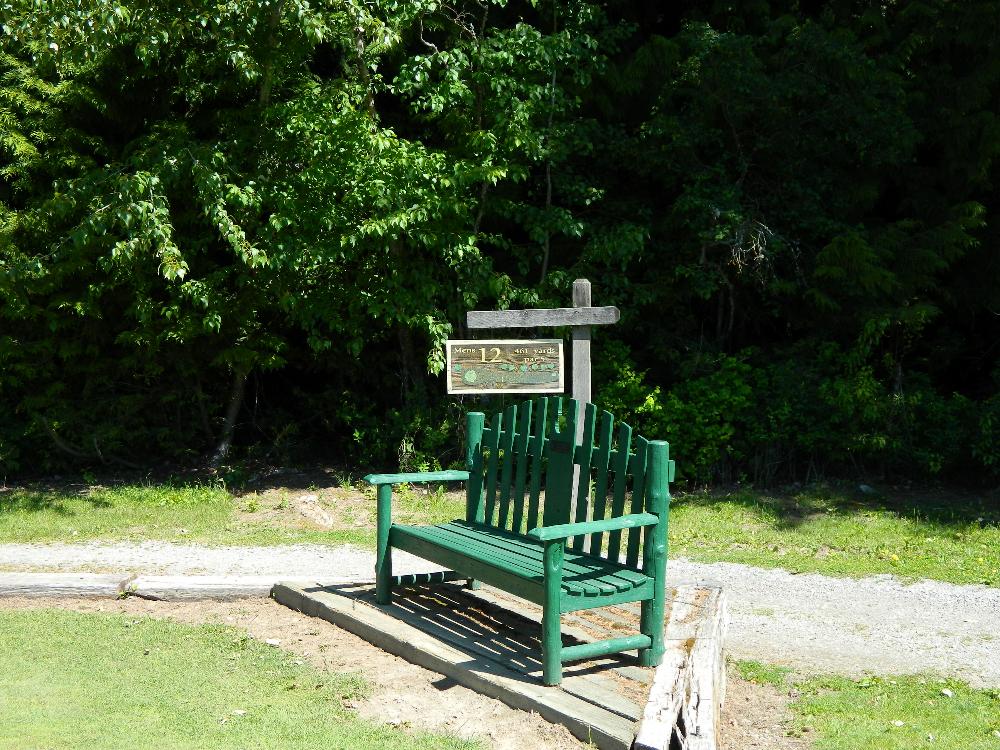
(383,553)
(551,637)
(654,558)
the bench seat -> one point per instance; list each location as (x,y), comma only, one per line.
(503,559)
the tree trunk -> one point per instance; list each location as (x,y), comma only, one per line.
(411,374)
(267,79)
(232,412)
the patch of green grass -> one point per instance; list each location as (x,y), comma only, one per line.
(127,511)
(823,530)
(75,680)
(418,503)
(899,713)
(884,713)
(762,674)
(198,513)
(195,513)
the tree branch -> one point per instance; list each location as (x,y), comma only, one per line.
(72,450)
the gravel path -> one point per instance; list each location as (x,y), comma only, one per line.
(296,561)
(847,626)
(809,622)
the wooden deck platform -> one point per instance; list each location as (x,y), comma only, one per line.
(489,642)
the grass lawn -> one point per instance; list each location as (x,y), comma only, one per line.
(940,535)
(878,713)
(74,680)
(203,513)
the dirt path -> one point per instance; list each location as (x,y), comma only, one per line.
(810,622)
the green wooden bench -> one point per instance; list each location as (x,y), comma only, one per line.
(606,554)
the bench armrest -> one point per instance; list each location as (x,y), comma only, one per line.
(565,530)
(418,476)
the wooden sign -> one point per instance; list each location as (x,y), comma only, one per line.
(506,366)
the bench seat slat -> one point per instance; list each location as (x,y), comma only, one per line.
(481,571)
(529,548)
(619,578)
(520,566)
(587,582)
(522,558)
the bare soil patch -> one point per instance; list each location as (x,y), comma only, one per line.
(755,717)
(320,500)
(316,506)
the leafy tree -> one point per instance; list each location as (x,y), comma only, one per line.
(258,221)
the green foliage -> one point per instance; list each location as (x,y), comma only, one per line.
(261,219)
(700,417)
(986,444)
(759,418)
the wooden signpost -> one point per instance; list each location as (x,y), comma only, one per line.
(580,318)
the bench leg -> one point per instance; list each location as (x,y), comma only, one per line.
(654,552)
(551,635)
(651,624)
(383,552)
(651,613)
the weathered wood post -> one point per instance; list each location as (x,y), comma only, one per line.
(580,318)
(580,336)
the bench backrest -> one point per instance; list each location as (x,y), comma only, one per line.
(532,447)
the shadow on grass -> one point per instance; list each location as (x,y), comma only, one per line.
(791,508)
(36,501)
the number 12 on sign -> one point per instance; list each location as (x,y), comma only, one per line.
(506,366)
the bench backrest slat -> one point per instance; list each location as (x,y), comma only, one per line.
(474,423)
(584,454)
(600,462)
(620,467)
(537,448)
(522,456)
(507,464)
(638,471)
(531,448)
(491,444)
(559,473)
